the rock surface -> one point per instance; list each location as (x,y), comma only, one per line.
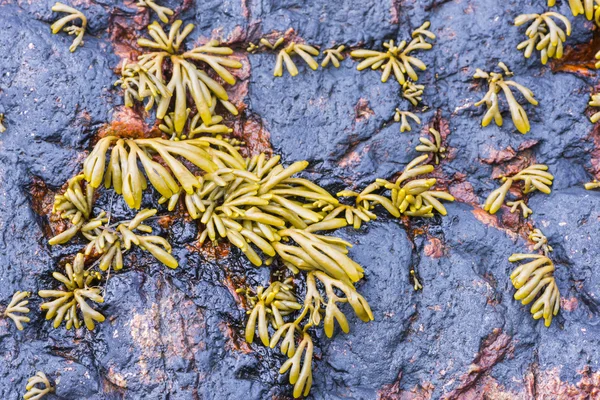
(176,334)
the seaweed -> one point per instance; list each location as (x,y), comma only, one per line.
(69,302)
(305,51)
(535,278)
(515,205)
(333,56)
(595,102)
(16,307)
(544,35)
(588,8)
(397,59)
(594,184)
(163,12)
(145,78)
(402,117)
(496,83)
(412,92)
(271,308)
(59,25)
(535,177)
(435,147)
(407,195)
(2,127)
(540,240)
(37,387)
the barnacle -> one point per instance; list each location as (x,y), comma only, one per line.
(16,307)
(79,31)
(334,56)
(37,387)
(595,102)
(544,34)
(540,240)
(77,289)
(402,116)
(285,57)
(412,92)
(2,127)
(514,205)
(163,12)
(595,184)
(146,79)
(534,177)
(434,148)
(397,58)
(496,83)
(533,278)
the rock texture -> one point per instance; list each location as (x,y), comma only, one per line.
(176,334)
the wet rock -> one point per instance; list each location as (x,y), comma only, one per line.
(179,333)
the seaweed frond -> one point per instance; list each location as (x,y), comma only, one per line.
(407,195)
(2,127)
(496,84)
(589,8)
(397,59)
(16,307)
(75,205)
(541,242)
(435,147)
(195,125)
(59,25)
(535,278)
(269,306)
(595,102)
(535,177)
(37,387)
(163,12)
(595,184)
(78,287)
(412,92)
(300,369)
(544,34)
(265,42)
(252,47)
(515,205)
(306,52)
(144,79)
(402,117)
(333,56)
(416,284)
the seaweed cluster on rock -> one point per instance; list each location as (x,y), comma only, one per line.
(534,280)
(497,83)
(255,203)
(535,177)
